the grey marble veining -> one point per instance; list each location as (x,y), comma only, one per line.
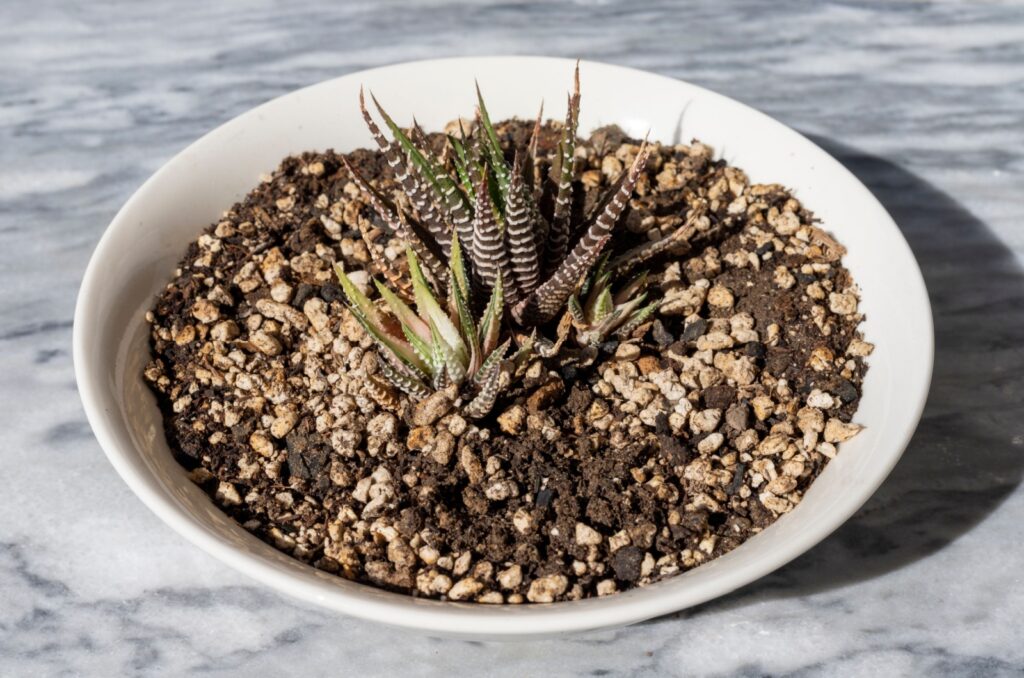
(923,101)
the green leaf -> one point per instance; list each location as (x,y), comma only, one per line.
(448,360)
(401,310)
(490,324)
(493,147)
(638,319)
(447,190)
(602,305)
(491,362)
(577,310)
(368,316)
(406,382)
(525,350)
(466,325)
(461,162)
(457,264)
(431,310)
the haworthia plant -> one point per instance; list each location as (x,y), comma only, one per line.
(438,344)
(598,312)
(494,206)
(480,233)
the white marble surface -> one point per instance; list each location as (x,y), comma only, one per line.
(925,102)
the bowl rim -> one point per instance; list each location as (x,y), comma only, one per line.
(452,618)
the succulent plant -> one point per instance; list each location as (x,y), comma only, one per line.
(434,347)
(477,226)
(603,312)
(494,207)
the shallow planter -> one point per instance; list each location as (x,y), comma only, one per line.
(147,237)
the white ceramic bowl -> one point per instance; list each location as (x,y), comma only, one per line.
(140,248)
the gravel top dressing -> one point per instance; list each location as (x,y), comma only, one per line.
(600,467)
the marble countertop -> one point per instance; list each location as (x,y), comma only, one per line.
(923,101)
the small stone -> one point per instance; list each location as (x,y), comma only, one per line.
(283,424)
(431,408)
(228,494)
(711,443)
(611,166)
(225,331)
(627,352)
(511,420)
(444,444)
(606,587)
(846,391)
(265,343)
(471,465)
(400,554)
(282,313)
(618,540)
(626,563)
(522,521)
(457,425)
(842,303)
(205,311)
(763,407)
(737,417)
(820,399)
(661,336)
(428,554)
(705,421)
(281,291)
(821,359)
(315,309)
(837,430)
(491,598)
(720,297)
(464,589)
(546,589)
(810,419)
(586,535)
(859,348)
(783,278)
(772,445)
(648,364)
(185,335)
(501,490)
(715,341)
(781,485)
(261,444)
(694,329)
(420,437)
(774,503)
(433,582)
(785,223)
(511,578)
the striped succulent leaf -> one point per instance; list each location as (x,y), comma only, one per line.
(405,227)
(558,239)
(519,231)
(492,146)
(604,312)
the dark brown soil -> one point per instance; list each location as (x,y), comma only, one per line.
(658,455)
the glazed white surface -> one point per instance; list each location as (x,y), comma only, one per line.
(922,103)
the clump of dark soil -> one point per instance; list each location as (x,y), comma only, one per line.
(659,454)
